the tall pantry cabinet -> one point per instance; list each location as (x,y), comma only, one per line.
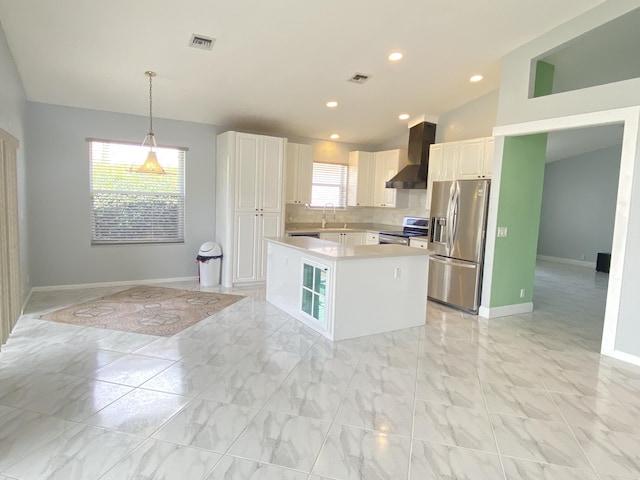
(249,202)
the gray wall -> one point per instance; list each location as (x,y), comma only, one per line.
(579,205)
(13,104)
(473,120)
(58,194)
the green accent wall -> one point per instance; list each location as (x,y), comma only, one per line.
(544,79)
(519,205)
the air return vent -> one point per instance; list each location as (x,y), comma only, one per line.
(202,42)
(359,78)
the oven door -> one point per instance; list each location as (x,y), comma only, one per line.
(385,238)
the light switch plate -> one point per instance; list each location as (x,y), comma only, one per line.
(502,231)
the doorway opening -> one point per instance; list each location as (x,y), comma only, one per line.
(613,340)
(581,177)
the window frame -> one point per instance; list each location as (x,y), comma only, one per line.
(343,186)
(172,192)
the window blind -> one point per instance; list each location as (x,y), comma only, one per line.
(329,185)
(130,207)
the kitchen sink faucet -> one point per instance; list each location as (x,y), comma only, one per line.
(324,220)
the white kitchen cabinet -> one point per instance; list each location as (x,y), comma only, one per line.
(249,202)
(436,152)
(487,161)
(345,238)
(388,164)
(361,179)
(331,236)
(258,173)
(463,160)
(419,243)
(315,295)
(449,168)
(250,230)
(371,238)
(476,158)
(470,158)
(299,173)
(353,238)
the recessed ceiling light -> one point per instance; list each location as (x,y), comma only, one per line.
(403,116)
(335,136)
(395,56)
(476,78)
(332,104)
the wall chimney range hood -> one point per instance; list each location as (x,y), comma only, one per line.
(414,175)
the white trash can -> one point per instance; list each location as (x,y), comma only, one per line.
(209,259)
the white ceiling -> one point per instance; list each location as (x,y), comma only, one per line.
(275,63)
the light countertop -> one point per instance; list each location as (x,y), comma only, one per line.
(339,227)
(335,251)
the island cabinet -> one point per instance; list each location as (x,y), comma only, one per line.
(299,175)
(249,202)
(346,292)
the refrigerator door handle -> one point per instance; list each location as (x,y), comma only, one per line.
(456,209)
(453,262)
(452,193)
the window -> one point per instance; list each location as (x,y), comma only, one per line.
(130,207)
(329,185)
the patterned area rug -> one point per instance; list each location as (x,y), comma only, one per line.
(145,309)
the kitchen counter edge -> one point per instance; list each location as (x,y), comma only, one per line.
(336,251)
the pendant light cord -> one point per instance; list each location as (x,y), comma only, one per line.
(150,103)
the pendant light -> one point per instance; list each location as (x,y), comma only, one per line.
(151,164)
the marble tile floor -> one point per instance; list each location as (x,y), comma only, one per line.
(250,393)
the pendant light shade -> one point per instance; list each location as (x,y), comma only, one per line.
(151,164)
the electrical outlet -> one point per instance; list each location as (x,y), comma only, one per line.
(397,273)
(582,257)
(522,292)
(502,231)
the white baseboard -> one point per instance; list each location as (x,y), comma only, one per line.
(505,311)
(110,284)
(623,357)
(26,300)
(568,261)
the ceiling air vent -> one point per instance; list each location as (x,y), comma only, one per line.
(359,78)
(202,42)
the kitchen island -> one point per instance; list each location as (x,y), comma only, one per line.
(345,291)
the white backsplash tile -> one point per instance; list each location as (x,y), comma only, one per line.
(415,199)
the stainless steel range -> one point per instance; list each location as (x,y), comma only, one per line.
(411,227)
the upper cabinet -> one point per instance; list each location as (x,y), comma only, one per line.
(388,163)
(487,162)
(299,173)
(436,157)
(368,174)
(361,179)
(463,160)
(476,158)
(450,157)
(259,173)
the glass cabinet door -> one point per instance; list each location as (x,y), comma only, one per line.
(314,290)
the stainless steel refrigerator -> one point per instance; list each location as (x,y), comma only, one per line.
(456,242)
